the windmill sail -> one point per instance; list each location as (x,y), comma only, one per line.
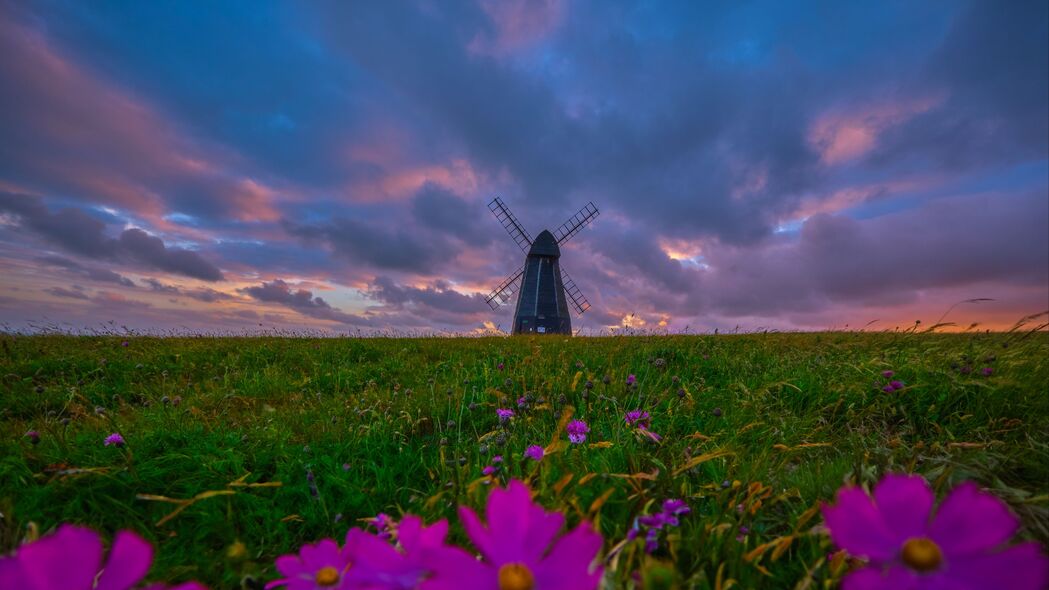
(510,224)
(579,302)
(575,223)
(505,290)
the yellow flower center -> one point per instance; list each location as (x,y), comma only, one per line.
(327,576)
(921,554)
(516,576)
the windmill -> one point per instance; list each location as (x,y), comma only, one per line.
(544,288)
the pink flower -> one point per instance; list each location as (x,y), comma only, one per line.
(887,374)
(71,559)
(114,439)
(910,546)
(33,436)
(630,379)
(504,415)
(366,560)
(577,430)
(534,452)
(521,549)
(638,417)
(488,470)
(987,371)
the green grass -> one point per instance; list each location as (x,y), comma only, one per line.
(266,410)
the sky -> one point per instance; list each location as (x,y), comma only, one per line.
(326,166)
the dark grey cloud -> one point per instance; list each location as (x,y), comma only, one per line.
(302,301)
(74,293)
(96,274)
(437,209)
(439,296)
(375,244)
(200,294)
(81,234)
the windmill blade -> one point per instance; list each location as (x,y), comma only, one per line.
(579,302)
(505,290)
(510,224)
(575,223)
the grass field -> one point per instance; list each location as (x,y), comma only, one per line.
(756,431)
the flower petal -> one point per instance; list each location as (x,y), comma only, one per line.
(971,521)
(568,567)
(128,562)
(11,575)
(873,578)
(856,526)
(1022,567)
(457,570)
(477,532)
(46,564)
(904,502)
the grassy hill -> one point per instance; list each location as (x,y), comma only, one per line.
(303,438)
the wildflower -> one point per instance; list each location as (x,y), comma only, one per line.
(888,389)
(33,436)
(986,371)
(896,385)
(630,379)
(638,417)
(522,402)
(887,374)
(716,412)
(497,459)
(114,439)
(500,366)
(577,430)
(534,452)
(383,524)
(504,415)
(488,470)
(124,344)
(520,548)
(71,559)
(345,466)
(909,545)
(652,524)
(316,567)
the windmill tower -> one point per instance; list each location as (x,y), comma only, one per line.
(543,288)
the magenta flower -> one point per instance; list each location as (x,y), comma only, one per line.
(888,389)
(504,415)
(33,436)
(636,417)
(500,366)
(910,546)
(887,374)
(374,564)
(488,470)
(987,371)
(534,452)
(521,549)
(630,379)
(577,430)
(522,402)
(383,524)
(71,559)
(114,439)
(896,385)
(318,566)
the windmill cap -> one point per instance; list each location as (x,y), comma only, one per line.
(544,245)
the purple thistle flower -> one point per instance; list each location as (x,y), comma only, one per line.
(888,389)
(630,379)
(497,459)
(887,374)
(488,470)
(908,544)
(522,402)
(114,439)
(534,452)
(896,385)
(636,416)
(500,366)
(521,548)
(71,559)
(577,430)
(33,436)
(504,415)
(987,371)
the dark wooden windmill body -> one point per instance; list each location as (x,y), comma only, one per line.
(544,290)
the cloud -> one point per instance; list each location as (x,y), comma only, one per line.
(82,234)
(96,274)
(74,293)
(302,301)
(374,244)
(203,294)
(439,296)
